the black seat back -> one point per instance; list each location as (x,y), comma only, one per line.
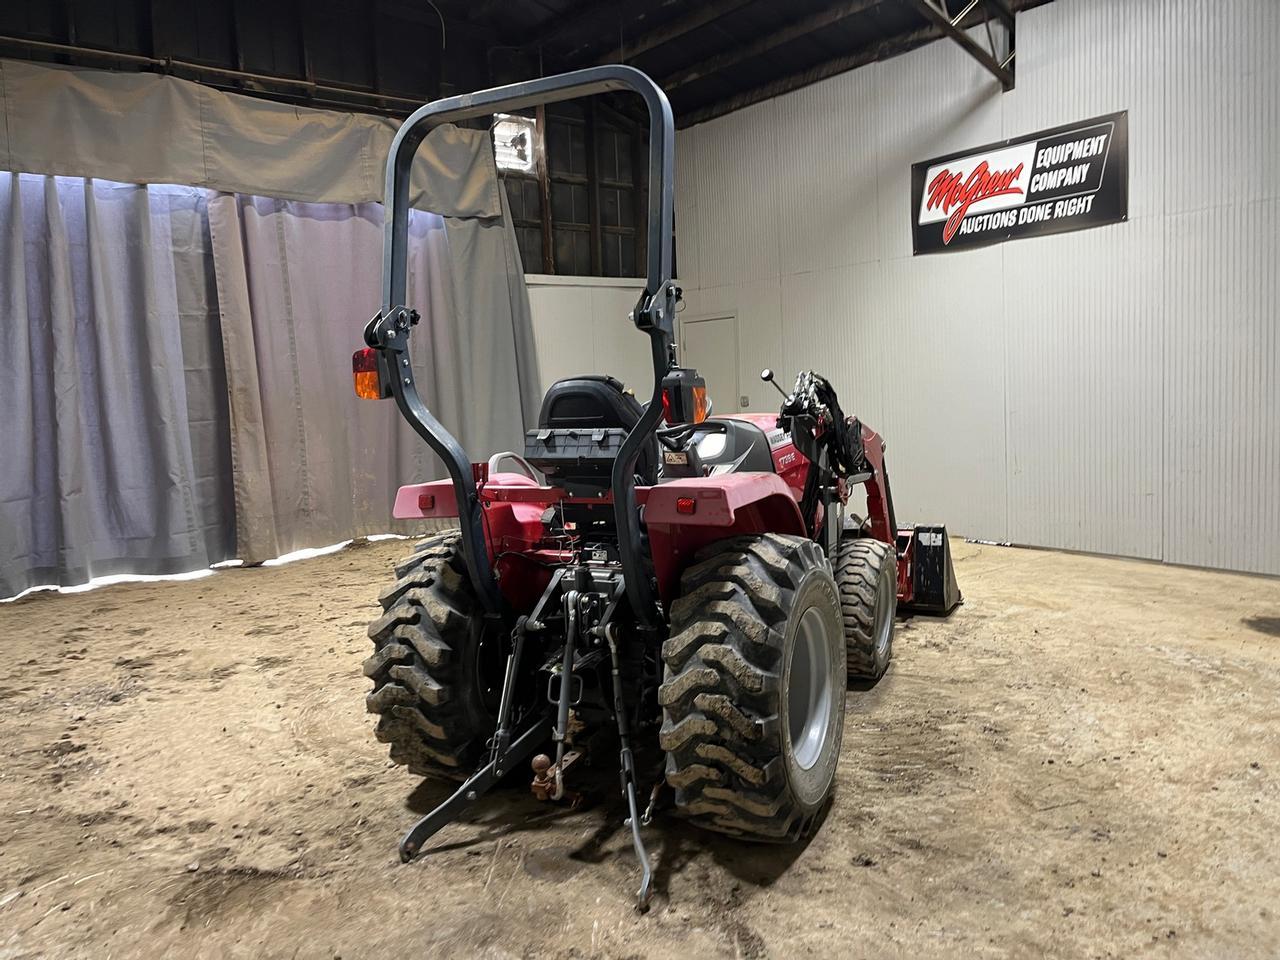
(581,425)
(589,402)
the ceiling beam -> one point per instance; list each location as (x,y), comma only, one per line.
(1002,10)
(936,12)
(700,16)
(769,41)
(555,28)
(828,68)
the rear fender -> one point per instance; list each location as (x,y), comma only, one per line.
(510,529)
(434,500)
(725,506)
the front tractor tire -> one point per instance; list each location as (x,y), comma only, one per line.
(867,577)
(753,691)
(430,683)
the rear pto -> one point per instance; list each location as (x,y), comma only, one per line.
(679,586)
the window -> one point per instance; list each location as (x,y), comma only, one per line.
(581,210)
(513,142)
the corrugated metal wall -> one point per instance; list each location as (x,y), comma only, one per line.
(1111,390)
(581,325)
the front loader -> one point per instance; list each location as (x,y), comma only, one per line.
(643,579)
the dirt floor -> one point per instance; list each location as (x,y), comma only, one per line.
(1083,761)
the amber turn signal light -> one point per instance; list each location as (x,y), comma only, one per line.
(684,397)
(699,404)
(367,374)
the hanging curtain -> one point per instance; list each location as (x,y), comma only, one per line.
(297,281)
(313,465)
(180,389)
(113,397)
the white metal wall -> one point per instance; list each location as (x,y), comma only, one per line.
(580,326)
(1111,390)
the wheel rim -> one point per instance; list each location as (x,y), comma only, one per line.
(809,689)
(885,595)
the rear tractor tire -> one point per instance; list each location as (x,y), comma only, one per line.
(753,691)
(867,576)
(431,689)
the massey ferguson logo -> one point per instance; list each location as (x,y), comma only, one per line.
(952,193)
(1063,179)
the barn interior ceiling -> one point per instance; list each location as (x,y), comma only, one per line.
(388,56)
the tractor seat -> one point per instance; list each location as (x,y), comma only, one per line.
(581,425)
(589,402)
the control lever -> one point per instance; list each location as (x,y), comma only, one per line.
(767,376)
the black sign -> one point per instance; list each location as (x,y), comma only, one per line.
(1067,178)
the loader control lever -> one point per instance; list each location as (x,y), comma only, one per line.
(767,376)
(832,442)
(811,413)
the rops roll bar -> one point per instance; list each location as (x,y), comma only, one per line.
(654,313)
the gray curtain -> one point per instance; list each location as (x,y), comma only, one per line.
(297,281)
(115,424)
(178,386)
(145,128)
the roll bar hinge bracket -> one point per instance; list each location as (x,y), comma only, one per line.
(390,330)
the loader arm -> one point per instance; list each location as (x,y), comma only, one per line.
(880,514)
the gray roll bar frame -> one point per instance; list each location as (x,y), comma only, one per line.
(654,313)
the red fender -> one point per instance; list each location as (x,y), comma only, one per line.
(433,500)
(723,506)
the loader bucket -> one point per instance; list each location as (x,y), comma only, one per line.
(928,581)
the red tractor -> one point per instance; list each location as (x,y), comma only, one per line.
(642,576)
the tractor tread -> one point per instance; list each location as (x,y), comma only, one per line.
(414,666)
(426,643)
(861,564)
(719,577)
(673,736)
(692,774)
(727,758)
(721,688)
(390,653)
(421,683)
(432,548)
(415,579)
(700,678)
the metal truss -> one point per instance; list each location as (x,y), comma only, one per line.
(997,58)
